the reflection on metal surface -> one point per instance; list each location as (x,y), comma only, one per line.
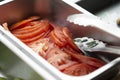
(74,1)
(4,1)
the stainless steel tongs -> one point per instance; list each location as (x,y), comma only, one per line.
(89,44)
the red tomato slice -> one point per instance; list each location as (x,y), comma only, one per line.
(59,34)
(32,23)
(66,32)
(28,26)
(18,24)
(54,50)
(44,26)
(28,40)
(85,59)
(69,39)
(20,31)
(90,68)
(68,64)
(40,46)
(77,69)
(37,37)
(58,58)
(55,40)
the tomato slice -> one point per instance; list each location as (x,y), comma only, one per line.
(54,50)
(77,69)
(21,31)
(85,59)
(61,37)
(90,68)
(44,26)
(55,40)
(37,37)
(68,64)
(40,46)
(59,34)
(28,26)
(66,32)
(58,58)
(69,39)
(19,24)
(32,23)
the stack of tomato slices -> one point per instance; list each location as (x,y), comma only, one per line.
(55,44)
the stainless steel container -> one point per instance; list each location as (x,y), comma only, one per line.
(17,59)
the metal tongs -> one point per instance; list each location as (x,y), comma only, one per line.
(85,20)
(92,45)
(89,44)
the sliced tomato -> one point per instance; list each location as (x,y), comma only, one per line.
(53,50)
(19,24)
(85,59)
(55,40)
(28,26)
(68,64)
(69,39)
(28,40)
(92,61)
(37,37)
(21,31)
(90,68)
(57,59)
(40,46)
(32,23)
(77,69)
(66,32)
(44,26)
(59,34)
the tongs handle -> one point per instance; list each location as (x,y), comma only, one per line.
(113,50)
